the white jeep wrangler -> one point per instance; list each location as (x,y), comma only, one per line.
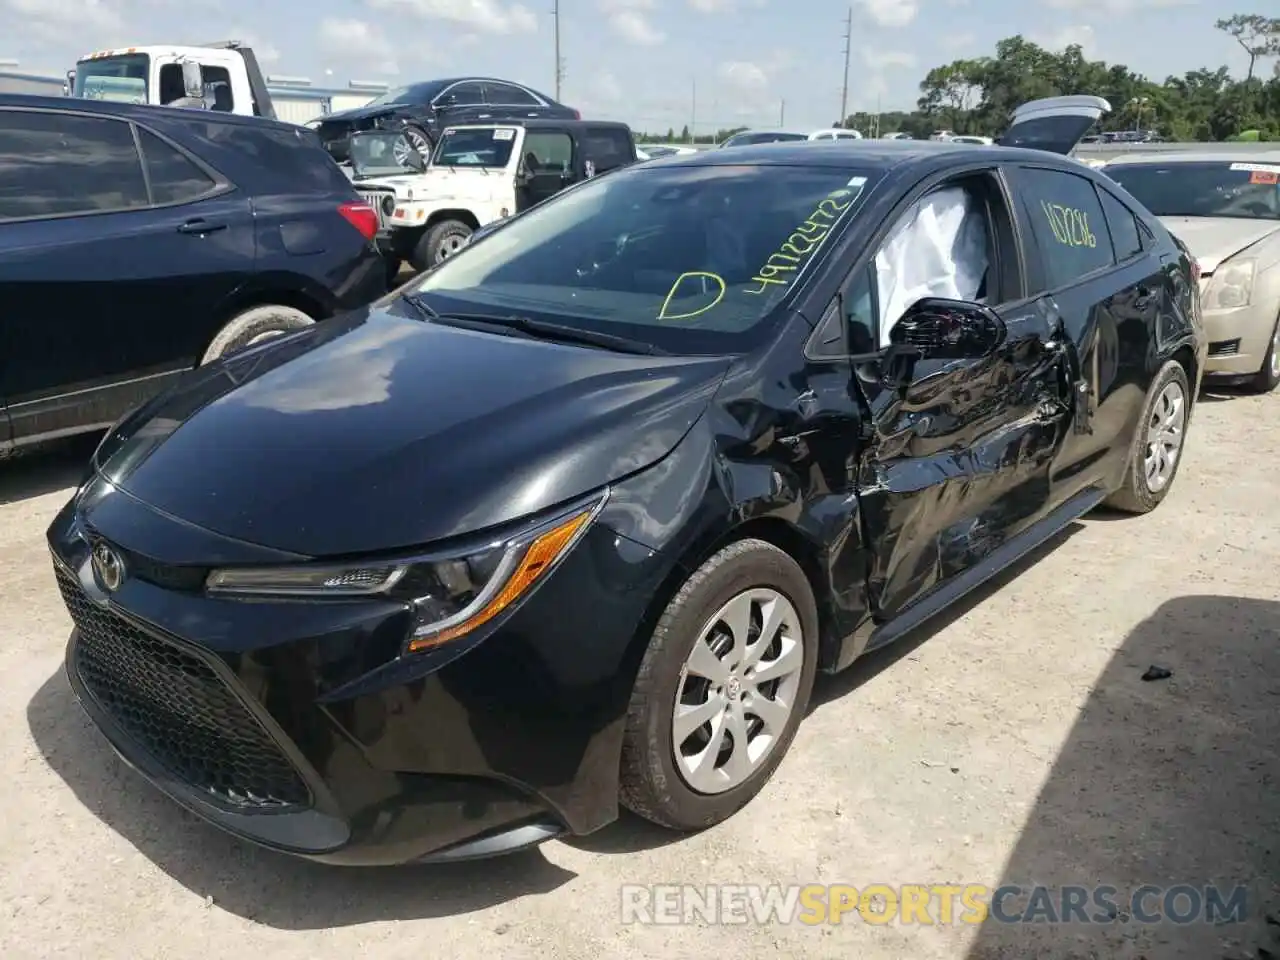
(478,174)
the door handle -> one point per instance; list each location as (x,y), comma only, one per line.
(200,226)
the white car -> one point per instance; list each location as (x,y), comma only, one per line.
(1226,208)
(836,133)
(653,151)
(973,140)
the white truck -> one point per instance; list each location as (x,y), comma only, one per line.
(478,174)
(227,79)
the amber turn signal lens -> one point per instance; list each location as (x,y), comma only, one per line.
(538,557)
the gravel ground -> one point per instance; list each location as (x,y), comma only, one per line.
(1013,744)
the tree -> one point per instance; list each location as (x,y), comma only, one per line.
(1258,35)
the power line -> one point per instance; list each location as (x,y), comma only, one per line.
(844,88)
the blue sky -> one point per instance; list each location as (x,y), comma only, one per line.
(641,60)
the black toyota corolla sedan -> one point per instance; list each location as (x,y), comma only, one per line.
(573,520)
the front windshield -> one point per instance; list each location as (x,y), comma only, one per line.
(374,153)
(416,93)
(1203,189)
(122,78)
(691,259)
(474,147)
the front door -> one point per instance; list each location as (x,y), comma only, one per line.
(546,166)
(958,454)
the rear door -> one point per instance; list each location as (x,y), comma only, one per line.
(506,100)
(547,166)
(99,286)
(1055,124)
(1103,286)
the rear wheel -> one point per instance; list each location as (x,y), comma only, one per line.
(1156,451)
(1268,375)
(438,243)
(722,688)
(253,326)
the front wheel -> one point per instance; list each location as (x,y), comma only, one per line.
(722,688)
(1156,451)
(438,243)
(418,139)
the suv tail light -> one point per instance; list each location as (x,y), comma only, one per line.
(577,115)
(361,216)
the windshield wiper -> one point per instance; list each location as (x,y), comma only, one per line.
(542,329)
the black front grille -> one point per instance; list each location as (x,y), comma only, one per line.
(1224,348)
(179,710)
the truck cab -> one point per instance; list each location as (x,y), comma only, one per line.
(477,174)
(233,82)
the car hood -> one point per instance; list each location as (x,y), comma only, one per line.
(1214,239)
(377,431)
(358,113)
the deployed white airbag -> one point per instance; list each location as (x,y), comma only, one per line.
(939,249)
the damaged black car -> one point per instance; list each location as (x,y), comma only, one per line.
(572,521)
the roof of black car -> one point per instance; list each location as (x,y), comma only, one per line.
(866,153)
(130,111)
(539,123)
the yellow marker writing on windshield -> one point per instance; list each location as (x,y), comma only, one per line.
(683,278)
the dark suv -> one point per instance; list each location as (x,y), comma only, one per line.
(137,242)
(422,110)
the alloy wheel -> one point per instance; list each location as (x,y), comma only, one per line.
(737,690)
(1164,436)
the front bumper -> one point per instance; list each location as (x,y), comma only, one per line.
(300,727)
(1238,338)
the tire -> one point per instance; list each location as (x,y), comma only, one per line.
(438,242)
(653,784)
(254,324)
(1137,493)
(414,132)
(1268,376)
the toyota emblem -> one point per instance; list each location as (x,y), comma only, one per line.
(108,566)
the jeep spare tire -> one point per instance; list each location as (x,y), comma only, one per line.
(439,242)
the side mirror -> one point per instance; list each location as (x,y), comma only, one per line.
(523,175)
(938,329)
(71,83)
(448,100)
(414,160)
(192,79)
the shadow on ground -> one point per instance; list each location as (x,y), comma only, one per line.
(265,887)
(1167,782)
(45,468)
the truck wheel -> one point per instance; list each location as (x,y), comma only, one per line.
(439,243)
(254,325)
(722,688)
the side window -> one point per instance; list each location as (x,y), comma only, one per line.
(607,149)
(825,136)
(464,95)
(174,178)
(507,94)
(59,163)
(553,151)
(1125,235)
(942,247)
(1066,218)
(217,89)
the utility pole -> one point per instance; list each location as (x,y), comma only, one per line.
(782,114)
(555,13)
(693,111)
(844,89)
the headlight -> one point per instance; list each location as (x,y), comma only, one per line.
(451,594)
(1230,286)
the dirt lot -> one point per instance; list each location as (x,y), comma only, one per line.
(1014,744)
